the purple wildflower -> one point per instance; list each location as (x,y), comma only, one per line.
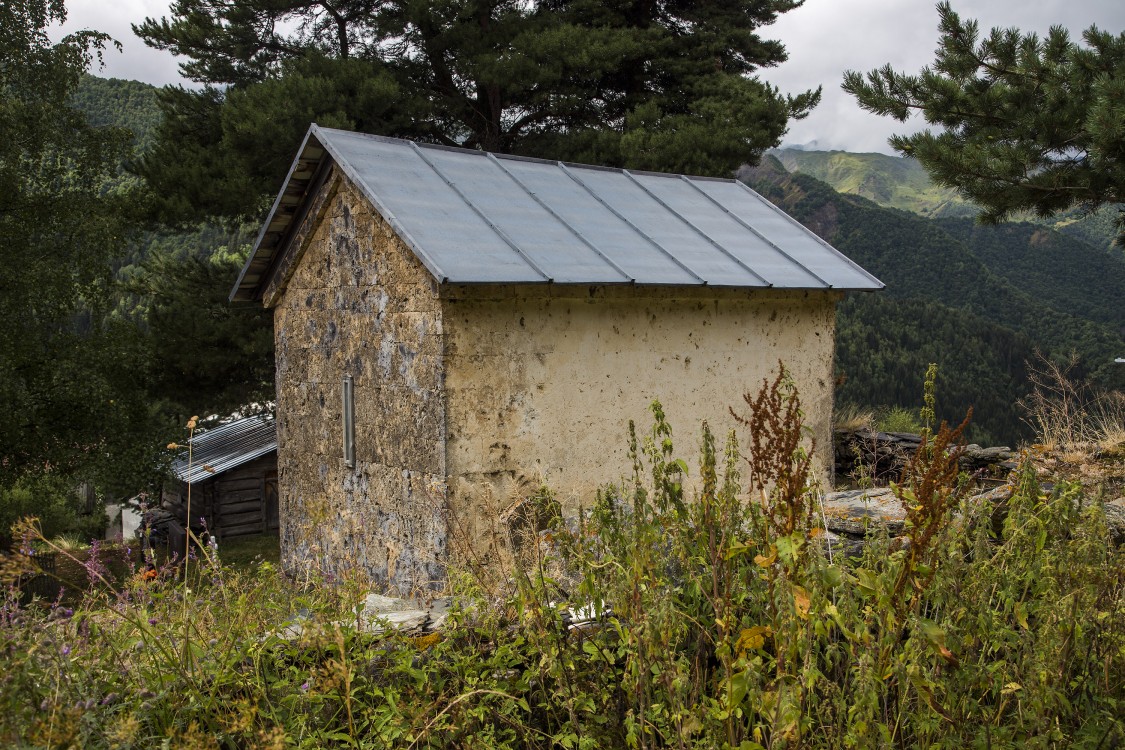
(95,567)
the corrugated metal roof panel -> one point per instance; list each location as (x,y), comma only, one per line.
(786,232)
(473,217)
(432,217)
(667,230)
(621,243)
(224,447)
(737,238)
(546,242)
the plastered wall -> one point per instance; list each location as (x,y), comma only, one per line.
(542,381)
(360,303)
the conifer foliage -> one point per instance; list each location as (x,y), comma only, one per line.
(627,83)
(1028,123)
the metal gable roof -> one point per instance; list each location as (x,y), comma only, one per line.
(224,447)
(475,217)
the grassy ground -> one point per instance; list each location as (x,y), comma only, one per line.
(243,552)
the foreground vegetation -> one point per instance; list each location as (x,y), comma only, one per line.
(718,618)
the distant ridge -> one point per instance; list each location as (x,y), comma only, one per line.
(977,300)
(897,182)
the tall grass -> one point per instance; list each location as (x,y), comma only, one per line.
(1069,415)
(716,617)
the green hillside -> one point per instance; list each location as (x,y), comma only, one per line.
(113,102)
(118,103)
(1055,268)
(943,302)
(887,180)
(895,182)
(884,343)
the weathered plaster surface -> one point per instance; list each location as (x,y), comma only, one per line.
(359,302)
(542,381)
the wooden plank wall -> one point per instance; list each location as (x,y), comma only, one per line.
(234,502)
(239,506)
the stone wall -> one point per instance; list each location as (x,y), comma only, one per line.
(359,303)
(543,380)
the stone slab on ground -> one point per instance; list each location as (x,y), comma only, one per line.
(852,512)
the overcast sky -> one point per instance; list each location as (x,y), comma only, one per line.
(824,38)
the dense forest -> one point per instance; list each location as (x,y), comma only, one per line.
(969,297)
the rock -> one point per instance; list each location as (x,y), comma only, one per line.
(382,612)
(439,612)
(852,512)
(294,627)
(976,458)
(407,620)
(1115,517)
(588,617)
(842,545)
(374,603)
(998,498)
(884,455)
(851,515)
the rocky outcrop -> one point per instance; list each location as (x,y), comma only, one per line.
(851,516)
(882,456)
(1115,517)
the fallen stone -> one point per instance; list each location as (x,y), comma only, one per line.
(842,545)
(853,512)
(439,612)
(884,455)
(406,621)
(378,603)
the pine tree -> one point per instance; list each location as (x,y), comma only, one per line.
(626,83)
(1028,124)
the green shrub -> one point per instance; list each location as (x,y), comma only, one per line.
(54,501)
(898,419)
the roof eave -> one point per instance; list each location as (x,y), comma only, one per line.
(261,258)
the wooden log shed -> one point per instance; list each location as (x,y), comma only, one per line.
(233,478)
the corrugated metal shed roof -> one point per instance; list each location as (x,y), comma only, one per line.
(475,217)
(225,447)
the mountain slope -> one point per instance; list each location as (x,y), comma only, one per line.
(1056,269)
(941,301)
(118,103)
(895,182)
(887,180)
(883,345)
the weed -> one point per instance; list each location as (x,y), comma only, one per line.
(851,418)
(1069,415)
(898,419)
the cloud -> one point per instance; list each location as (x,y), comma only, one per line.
(136,61)
(826,37)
